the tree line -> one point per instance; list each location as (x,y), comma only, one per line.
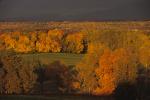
(54,41)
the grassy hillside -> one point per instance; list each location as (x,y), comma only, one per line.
(46,58)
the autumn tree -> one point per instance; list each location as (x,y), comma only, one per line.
(17,78)
(56,37)
(52,41)
(12,82)
(106,68)
(41,43)
(56,34)
(115,67)
(144,51)
(106,78)
(2,43)
(46,43)
(28,77)
(33,36)
(144,59)
(87,81)
(15,35)
(73,43)
(33,41)
(23,44)
(8,41)
(113,39)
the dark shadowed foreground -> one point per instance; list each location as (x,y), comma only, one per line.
(54,97)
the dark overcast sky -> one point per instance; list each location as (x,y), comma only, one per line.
(74,10)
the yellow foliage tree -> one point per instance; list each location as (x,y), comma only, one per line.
(8,41)
(144,51)
(33,39)
(56,34)
(86,68)
(47,44)
(74,43)
(23,44)
(115,67)
(56,37)
(105,74)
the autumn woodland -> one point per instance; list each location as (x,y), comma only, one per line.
(115,61)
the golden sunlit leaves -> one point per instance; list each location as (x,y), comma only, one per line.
(105,74)
(144,51)
(47,44)
(52,41)
(23,44)
(8,41)
(74,43)
(114,67)
(56,34)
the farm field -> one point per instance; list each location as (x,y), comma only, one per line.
(47,58)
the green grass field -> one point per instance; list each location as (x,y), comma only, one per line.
(46,58)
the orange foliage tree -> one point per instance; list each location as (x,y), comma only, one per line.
(56,37)
(33,39)
(50,42)
(115,67)
(144,51)
(41,44)
(23,44)
(87,82)
(73,43)
(56,34)
(8,41)
(105,74)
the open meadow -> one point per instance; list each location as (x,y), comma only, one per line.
(47,58)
